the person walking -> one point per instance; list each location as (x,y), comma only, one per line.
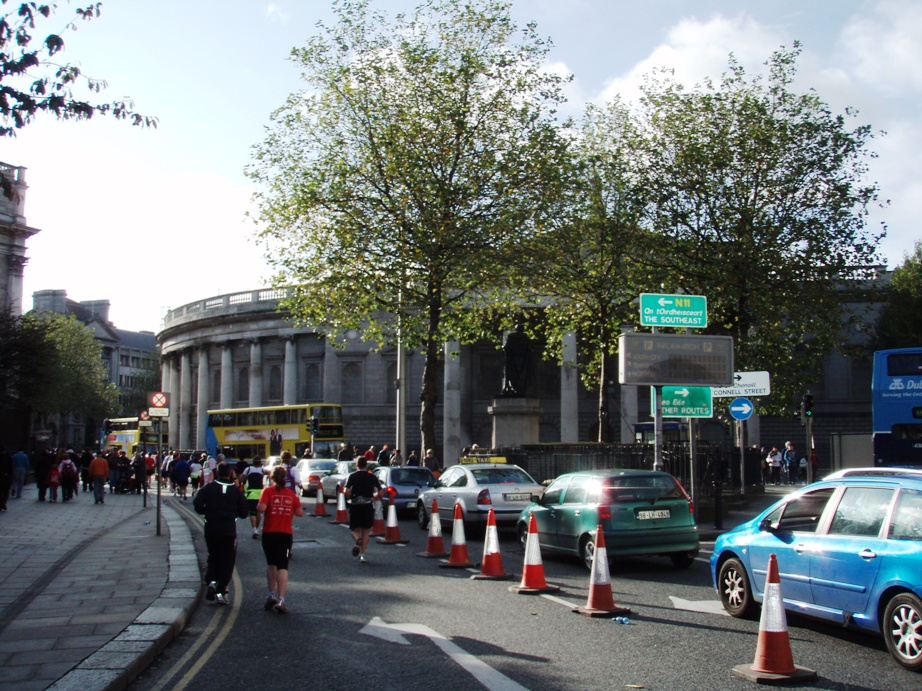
(279,504)
(397,458)
(774,465)
(292,476)
(20,466)
(789,460)
(362,488)
(6,477)
(253,482)
(99,473)
(180,473)
(69,477)
(221,503)
(432,462)
(413,459)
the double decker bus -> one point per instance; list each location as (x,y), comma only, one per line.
(896,407)
(244,433)
(127,434)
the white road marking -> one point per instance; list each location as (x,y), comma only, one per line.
(705,606)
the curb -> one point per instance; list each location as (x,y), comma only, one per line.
(120,661)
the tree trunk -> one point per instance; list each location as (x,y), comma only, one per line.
(428,396)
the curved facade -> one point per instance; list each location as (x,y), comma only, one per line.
(239,350)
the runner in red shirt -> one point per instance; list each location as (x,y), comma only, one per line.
(279,505)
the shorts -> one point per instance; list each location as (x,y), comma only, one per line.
(253,503)
(361,515)
(277,548)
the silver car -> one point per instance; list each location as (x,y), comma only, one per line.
(311,471)
(507,489)
(404,484)
(338,476)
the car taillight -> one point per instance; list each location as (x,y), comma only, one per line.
(484,497)
(691,506)
(604,511)
(313,478)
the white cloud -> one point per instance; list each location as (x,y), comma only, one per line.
(276,13)
(884,46)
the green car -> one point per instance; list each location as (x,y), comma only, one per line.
(642,513)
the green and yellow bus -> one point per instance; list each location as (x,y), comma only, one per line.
(128,434)
(267,431)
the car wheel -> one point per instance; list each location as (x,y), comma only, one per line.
(422,518)
(682,560)
(734,589)
(587,550)
(902,629)
(522,532)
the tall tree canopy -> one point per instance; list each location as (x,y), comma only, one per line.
(760,197)
(420,149)
(899,324)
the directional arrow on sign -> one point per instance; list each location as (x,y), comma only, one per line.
(682,392)
(743,408)
(482,672)
(663,302)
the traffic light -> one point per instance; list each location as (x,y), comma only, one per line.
(107,425)
(807,405)
(315,425)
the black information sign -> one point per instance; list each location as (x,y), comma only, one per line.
(668,359)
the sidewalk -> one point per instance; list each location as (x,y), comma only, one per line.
(90,594)
(743,508)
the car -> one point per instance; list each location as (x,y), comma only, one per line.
(643,513)
(478,487)
(338,476)
(849,551)
(311,470)
(404,484)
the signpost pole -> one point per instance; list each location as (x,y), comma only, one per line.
(808,450)
(158,467)
(742,431)
(692,456)
(658,429)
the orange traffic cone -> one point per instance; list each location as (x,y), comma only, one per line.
(533,572)
(392,530)
(378,528)
(435,547)
(492,566)
(601,602)
(458,558)
(320,508)
(342,516)
(774,662)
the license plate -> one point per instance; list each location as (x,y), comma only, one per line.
(517,496)
(648,515)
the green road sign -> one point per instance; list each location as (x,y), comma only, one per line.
(685,401)
(688,311)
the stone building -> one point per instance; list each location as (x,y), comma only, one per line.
(14,232)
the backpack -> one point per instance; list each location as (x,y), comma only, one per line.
(290,479)
(54,478)
(70,473)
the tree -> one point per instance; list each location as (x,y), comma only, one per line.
(420,149)
(585,269)
(760,198)
(899,324)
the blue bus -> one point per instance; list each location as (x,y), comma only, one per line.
(896,407)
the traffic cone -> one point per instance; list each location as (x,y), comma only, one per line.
(435,547)
(601,602)
(342,516)
(378,528)
(392,530)
(458,558)
(320,508)
(491,568)
(774,663)
(533,572)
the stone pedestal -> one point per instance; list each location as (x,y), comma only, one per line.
(516,421)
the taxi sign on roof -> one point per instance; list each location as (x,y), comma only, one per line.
(469,460)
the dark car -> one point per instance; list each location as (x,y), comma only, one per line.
(849,551)
(404,484)
(642,513)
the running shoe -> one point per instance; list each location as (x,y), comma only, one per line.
(362,559)
(211,591)
(280,608)
(270,603)
(221,599)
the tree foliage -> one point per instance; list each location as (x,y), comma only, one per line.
(899,324)
(760,198)
(32,82)
(420,150)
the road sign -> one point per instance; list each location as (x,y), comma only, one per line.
(686,401)
(159,399)
(690,311)
(674,359)
(159,412)
(741,408)
(145,423)
(143,415)
(745,384)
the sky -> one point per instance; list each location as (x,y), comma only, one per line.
(153,219)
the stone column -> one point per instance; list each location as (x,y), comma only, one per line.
(185,400)
(175,400)
(569,391)
(201,405)
(290,378)
(227,375)
(256,373)
(165,373)
(332,391)
(451,407)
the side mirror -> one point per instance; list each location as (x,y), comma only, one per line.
(536,498)
(765,526)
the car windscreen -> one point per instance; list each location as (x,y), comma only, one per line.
(322,465)
(499,476)
(411,476)
(628,488)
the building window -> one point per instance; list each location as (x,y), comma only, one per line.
(313,383)
(216,387)
(243,384)
(123,360)
(136,362)
(390,389)
(275,383)
(352,383)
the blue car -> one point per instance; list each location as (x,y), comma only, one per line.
(849,551)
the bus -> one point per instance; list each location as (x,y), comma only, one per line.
(896,407)
(129,434)
(244,433)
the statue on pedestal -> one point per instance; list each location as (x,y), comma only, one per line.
(517,367)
